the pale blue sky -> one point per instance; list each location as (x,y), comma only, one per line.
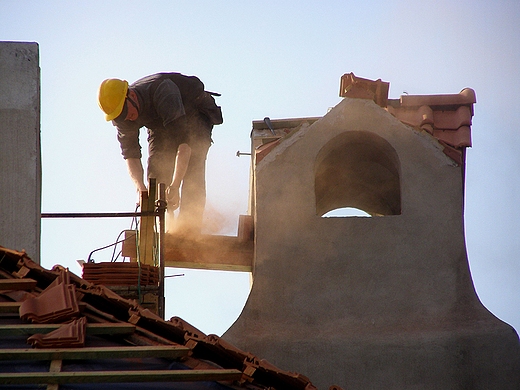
(279,59)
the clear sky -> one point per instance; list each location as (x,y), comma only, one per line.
(280,59)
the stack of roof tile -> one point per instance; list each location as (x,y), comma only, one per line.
(121,274)
(71,335)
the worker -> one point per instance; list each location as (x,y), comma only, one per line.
(179,116)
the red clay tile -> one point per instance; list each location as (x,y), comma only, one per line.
(263,150)
(447,117)
(417,117)
(453,153)
(449,120)
(458,139)
(356,87)
(121,274)
(466,97)
(71,335)
(107,306)
(54,304)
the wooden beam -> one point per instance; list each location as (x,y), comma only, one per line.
(55,367)
(212,252)
(120,376)
(147,225)
(171,352)
(17,284)
(10,307)
(92,329)
(110,329)
(14,307)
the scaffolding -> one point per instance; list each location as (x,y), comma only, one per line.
(150,241)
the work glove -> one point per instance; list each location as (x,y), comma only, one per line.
(173,198)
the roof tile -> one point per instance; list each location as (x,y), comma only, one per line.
(68,335)
(447,117)
(449,120)
(360,88)
(101,305)
(466,97)
(55,304)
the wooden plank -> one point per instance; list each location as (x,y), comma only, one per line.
(92,329)
(129,245)
(146,226)
(10,307)
(55,367)
(213,252)
(17,284)
(171,352)
(120,376)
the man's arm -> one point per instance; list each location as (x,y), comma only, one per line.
(136,172)
(181,166)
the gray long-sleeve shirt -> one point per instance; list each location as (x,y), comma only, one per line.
(163,98)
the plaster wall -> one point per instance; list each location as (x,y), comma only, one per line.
(370,303)
(20,159)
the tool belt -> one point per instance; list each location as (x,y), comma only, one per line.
(206,105)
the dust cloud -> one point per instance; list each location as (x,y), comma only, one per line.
(214,222)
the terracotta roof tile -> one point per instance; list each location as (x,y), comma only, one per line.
(448,120)
(360,88)
(103,306)
(121,274)
(460,138)
(68,335)
(264,150)
(466,97)
(447,117)
(55,304)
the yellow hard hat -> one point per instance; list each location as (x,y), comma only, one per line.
(111,97)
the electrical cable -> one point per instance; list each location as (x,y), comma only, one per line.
(104,247)
(114,251)
(118,241)
(156,244)
(138,253)
(118,255)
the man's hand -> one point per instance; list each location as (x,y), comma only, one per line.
(182,160)
(173,197)
(136,172)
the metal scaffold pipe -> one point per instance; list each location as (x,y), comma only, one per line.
(100,215)
(161,210)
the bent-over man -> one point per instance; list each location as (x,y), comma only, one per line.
(179,116)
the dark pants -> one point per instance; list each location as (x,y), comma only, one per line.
(162,145)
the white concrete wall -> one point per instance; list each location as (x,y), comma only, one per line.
(20,158)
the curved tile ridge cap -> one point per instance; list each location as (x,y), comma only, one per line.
(447,117)
(465,97)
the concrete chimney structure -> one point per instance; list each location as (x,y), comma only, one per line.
(20,158)
(379,302)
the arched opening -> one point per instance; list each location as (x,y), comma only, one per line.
(345,212)
(358,170)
